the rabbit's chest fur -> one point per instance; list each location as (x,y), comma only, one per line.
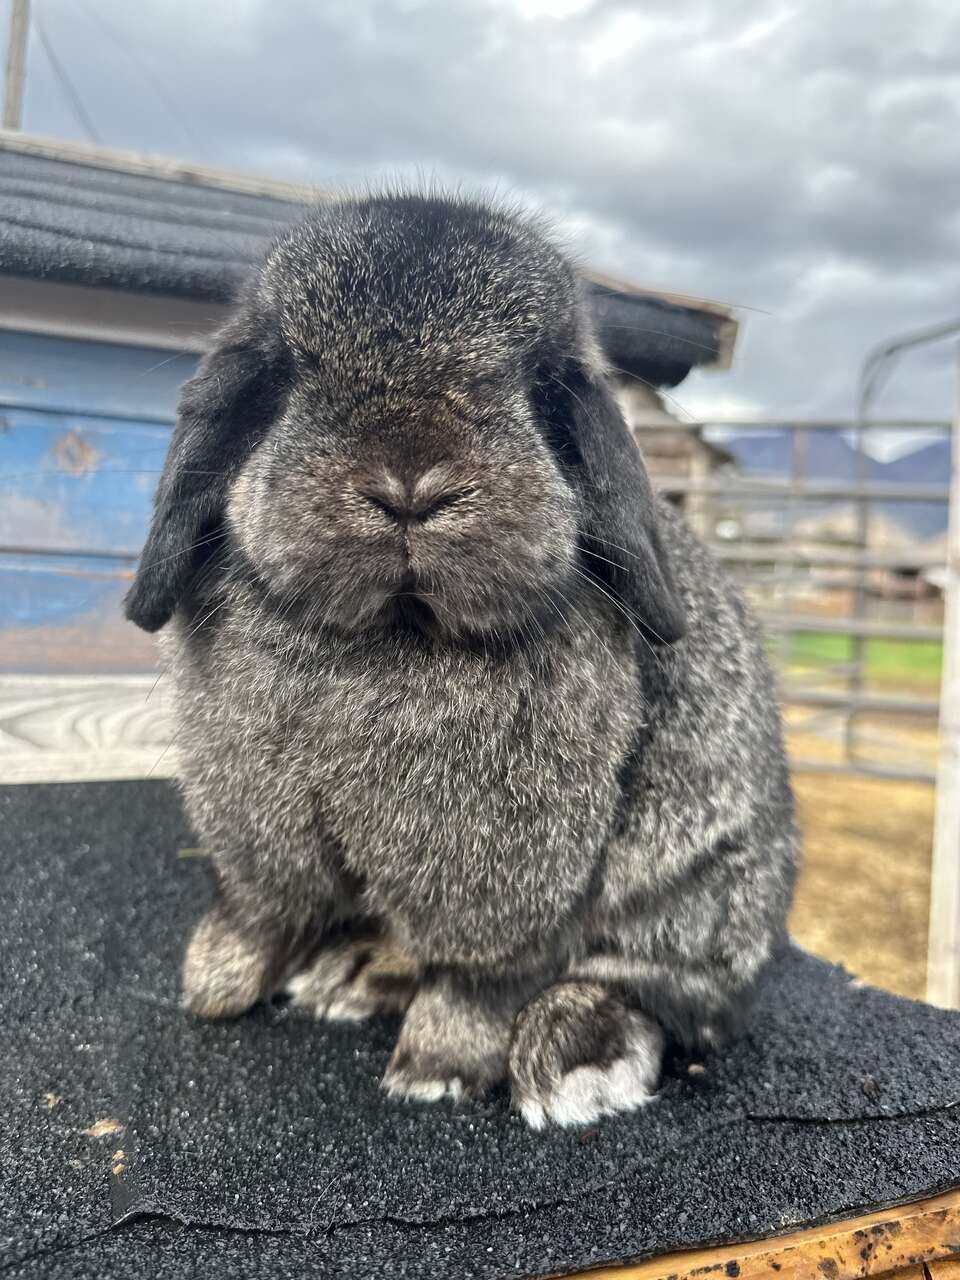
(468,794)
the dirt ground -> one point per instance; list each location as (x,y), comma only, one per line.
(863,892)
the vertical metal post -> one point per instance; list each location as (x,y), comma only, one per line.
(698,512)
(943,954)
(16,64)
(856,678)
(796,511)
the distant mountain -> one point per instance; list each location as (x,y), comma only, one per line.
(927,465)
(826,454)
(829,456)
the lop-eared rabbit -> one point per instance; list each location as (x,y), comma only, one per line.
(475,728)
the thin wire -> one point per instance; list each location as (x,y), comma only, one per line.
(144,68)
(66,84)
(657,391)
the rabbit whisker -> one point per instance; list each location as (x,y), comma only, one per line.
(606,560)
(153,687)
(632,618)
(203,542)
(662,333)
(620,566)
(206,618)
(157,762)
(574,608)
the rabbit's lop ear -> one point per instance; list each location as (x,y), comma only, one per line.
(224,410)
(620,524)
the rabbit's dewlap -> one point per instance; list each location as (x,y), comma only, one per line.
(477,730)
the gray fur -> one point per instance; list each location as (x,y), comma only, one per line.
(420,676)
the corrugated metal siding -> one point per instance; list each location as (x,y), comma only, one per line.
(83,431)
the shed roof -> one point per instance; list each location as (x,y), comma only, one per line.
(94,216)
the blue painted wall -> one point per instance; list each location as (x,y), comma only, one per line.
(84,428)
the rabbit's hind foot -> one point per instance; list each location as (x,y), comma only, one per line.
(579,1053)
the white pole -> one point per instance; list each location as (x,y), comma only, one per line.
(16,64)
(943,954)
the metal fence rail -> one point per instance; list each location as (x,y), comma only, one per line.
(787,565)
(760,487)
(760,553)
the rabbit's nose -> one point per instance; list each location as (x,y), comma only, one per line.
(418,500)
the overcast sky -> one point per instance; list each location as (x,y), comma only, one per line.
(799,160)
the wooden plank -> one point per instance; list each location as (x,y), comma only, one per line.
(115,765)
(873,1245)
(77,483)
(63,614)
(79,728)
(84,429)
(944,1269)
(139,383)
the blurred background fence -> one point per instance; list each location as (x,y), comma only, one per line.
(840,535)
(844,556)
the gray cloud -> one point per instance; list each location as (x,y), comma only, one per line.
(799,158)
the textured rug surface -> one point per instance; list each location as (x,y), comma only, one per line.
(136,1140)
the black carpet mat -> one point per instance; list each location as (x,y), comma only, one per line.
(138,1141)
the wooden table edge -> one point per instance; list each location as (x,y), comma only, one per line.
(905,1238)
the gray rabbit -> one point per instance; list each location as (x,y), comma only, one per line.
(477,730)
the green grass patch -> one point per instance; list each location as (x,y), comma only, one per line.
(888,661)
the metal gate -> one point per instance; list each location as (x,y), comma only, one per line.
(853,589)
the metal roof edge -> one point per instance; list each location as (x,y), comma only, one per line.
(728,326)
(142,164)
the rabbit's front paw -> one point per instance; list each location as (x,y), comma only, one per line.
(579,1053)
(453,1044)
(225,971)
(349,981)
